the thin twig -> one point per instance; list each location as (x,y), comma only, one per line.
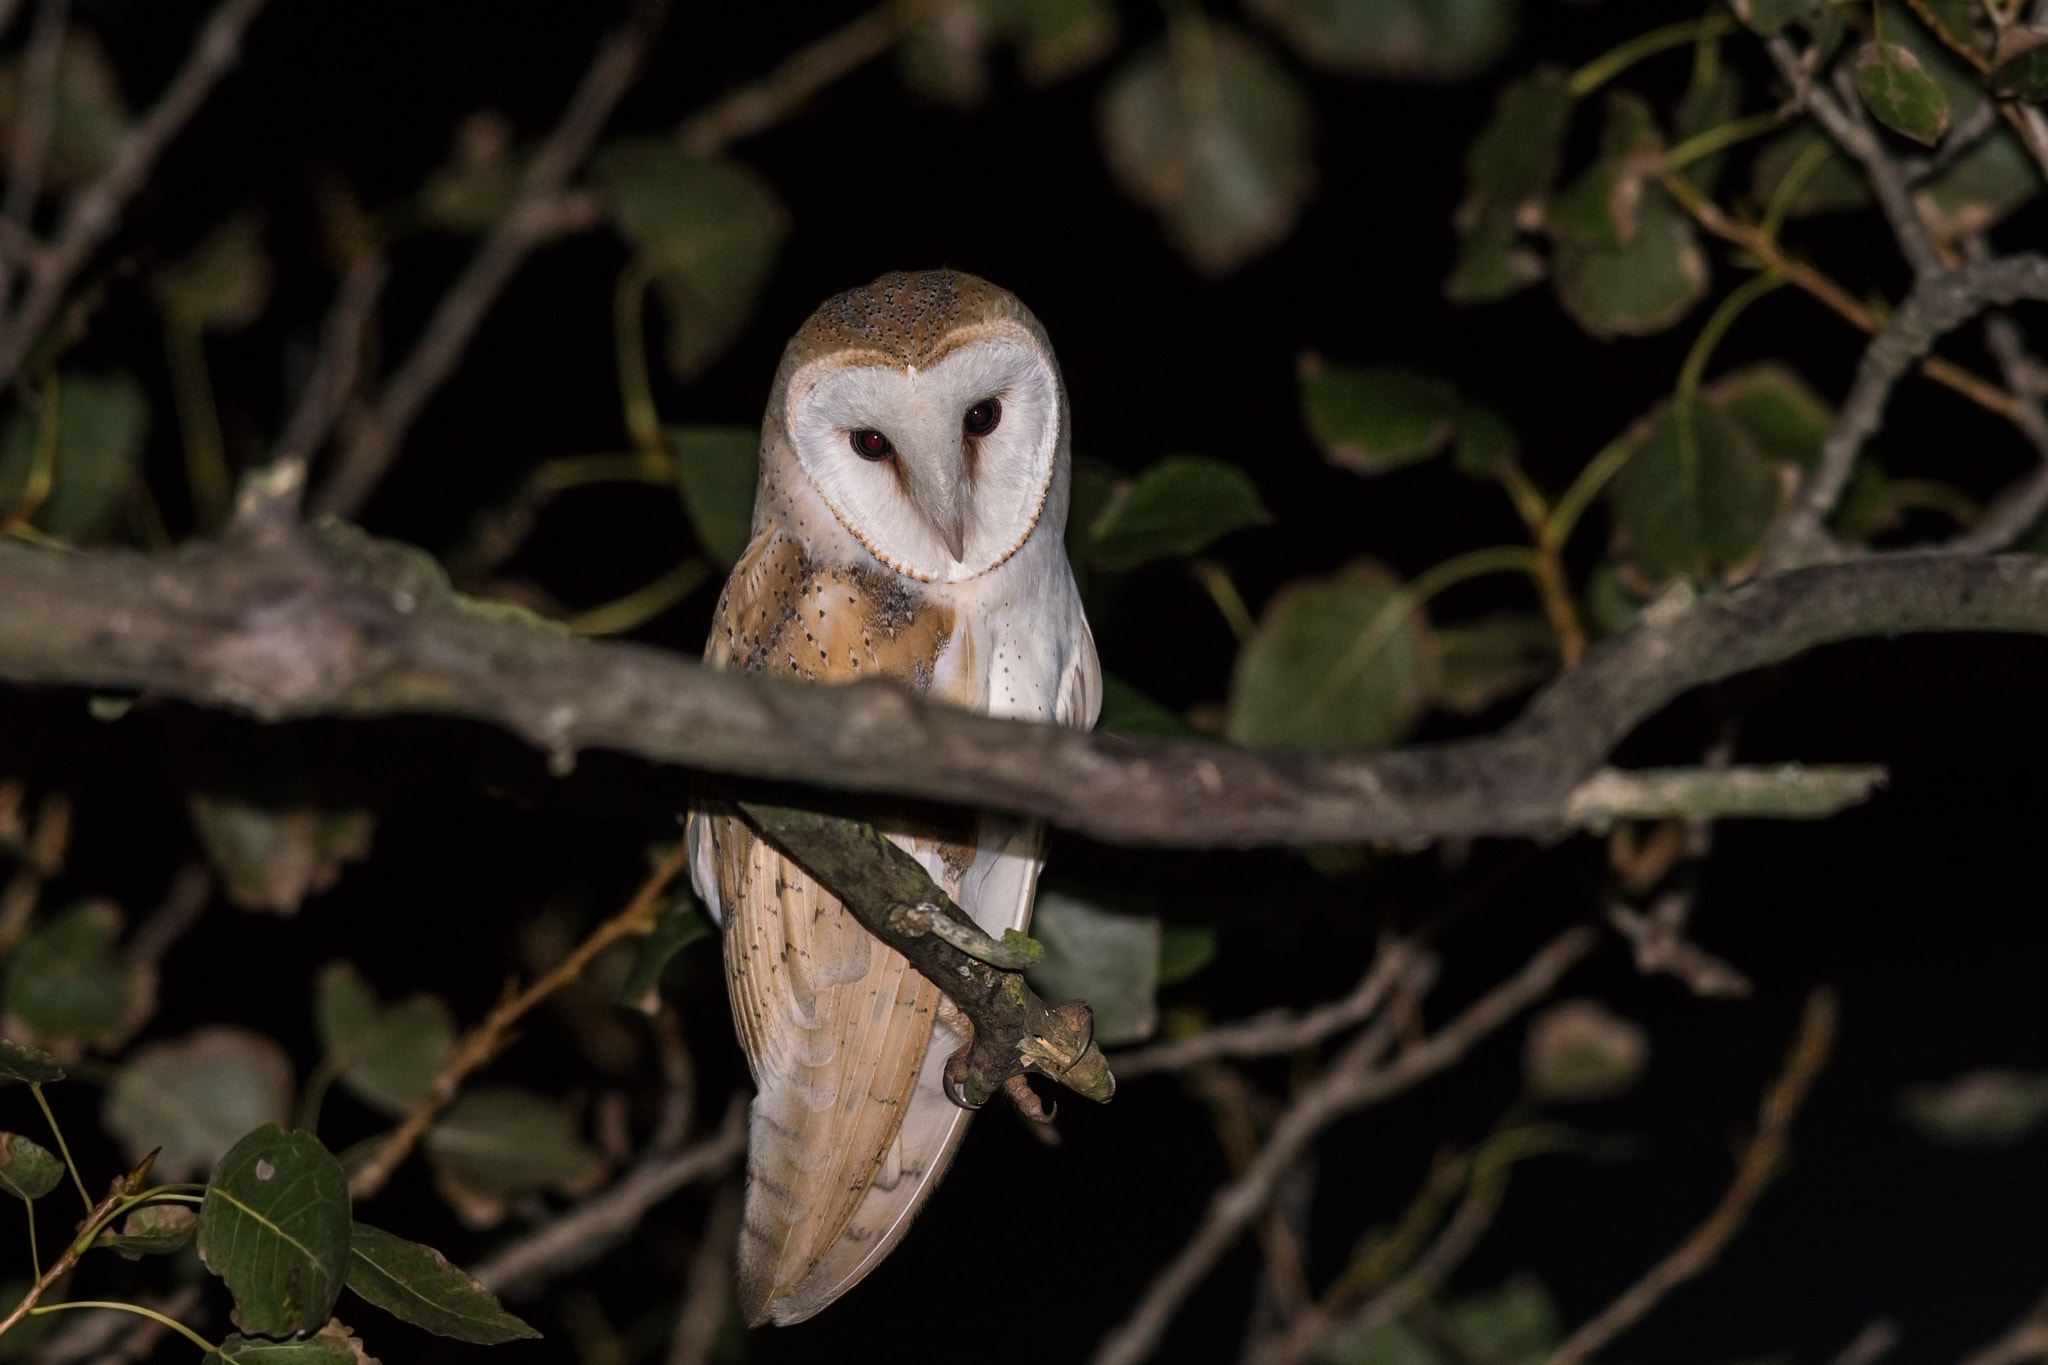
(1941,301)
(1277,1031)
(341,351)
(95,1216)
(1760,1164)
(530,220)
(1452,1244)
(1844,122)
(1876,1341)
(771,99)
(1356,1079)
(493,1035)
(707,1292)
(600,1222)
(2014,511)
(95,210)
(1815,283)
(39,65)
(2025,1340)
(1659,944)
(190,890)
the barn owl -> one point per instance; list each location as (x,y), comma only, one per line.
(907,525)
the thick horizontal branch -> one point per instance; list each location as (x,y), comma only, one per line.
(280,623)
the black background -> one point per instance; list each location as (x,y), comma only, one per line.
(1922,908)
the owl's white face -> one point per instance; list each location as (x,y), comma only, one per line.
(941,473)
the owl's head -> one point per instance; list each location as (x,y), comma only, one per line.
(927,412)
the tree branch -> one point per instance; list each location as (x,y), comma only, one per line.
(2013,512)
(602,1221)
(1761,1161)
(95,210)
(1356,1079)
(1941,301)
(531,220)
(281,622)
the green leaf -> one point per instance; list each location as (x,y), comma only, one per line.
(1337,663)
(1981,187)
(417,1285)
(1184,950)
(18,1063)
(27,1169)
(152,1230)
(1109,960)
(1177,507)
(500,1140)
(101,423)
(709,228)
(1831,186)
(88,120)
(1628,261)
(225,281)
(1980,1108)
(1371,420)
(1768,16)
(681,924)
(68,981)
(1694,511)
(1784,419)
(1515,1323)
(331,1345)
(388,1056)
(2022,69)
(716,470)
(1483,662)
(1426,40)
(480,180)
(1127,711)
(1900,94)
(1580,1050)
(1509,172)
(1054,38)
(1212,134)
(271,856)
(275,1227)
(196,1097)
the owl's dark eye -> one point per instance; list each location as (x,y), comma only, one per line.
(981,419)
(870,444)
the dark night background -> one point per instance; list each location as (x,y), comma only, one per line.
(1922,908)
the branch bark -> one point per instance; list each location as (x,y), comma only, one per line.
(888,891)
(281,622)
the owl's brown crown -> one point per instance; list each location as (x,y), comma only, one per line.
(908,318)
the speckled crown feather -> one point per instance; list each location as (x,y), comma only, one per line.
(907,318)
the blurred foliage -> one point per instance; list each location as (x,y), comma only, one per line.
(1649,209)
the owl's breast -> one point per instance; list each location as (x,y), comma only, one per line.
(788,613)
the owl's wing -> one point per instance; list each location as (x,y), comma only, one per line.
(998,888)
(836,1026)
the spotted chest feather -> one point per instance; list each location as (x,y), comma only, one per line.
(784,613)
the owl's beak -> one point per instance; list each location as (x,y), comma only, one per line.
(943,496)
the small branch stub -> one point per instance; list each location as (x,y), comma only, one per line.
(889,893)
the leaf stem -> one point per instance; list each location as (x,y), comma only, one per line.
(1222,590)
(36,1089)
(35,1257)
(629,338)
(645,603)
(1720,138)
(1553,587)
(1406,599)
(206,460)
(166,1320)
(42,470)
(1616,60)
